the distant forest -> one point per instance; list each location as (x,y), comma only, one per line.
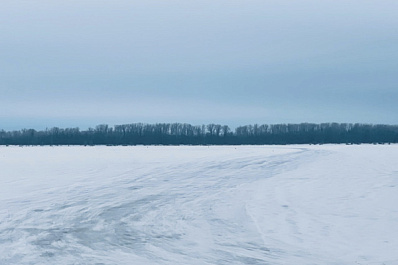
(211,134)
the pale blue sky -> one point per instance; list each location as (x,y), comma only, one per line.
(80,63)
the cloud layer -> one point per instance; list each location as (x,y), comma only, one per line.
(233,62)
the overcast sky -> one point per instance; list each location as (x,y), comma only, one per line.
(81,63)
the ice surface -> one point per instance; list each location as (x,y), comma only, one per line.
(330,204)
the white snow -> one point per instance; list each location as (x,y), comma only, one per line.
(329,204)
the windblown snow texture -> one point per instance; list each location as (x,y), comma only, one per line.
(331,204)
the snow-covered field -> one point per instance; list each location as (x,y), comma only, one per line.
(330,204)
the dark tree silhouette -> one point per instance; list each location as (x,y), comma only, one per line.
(216,134)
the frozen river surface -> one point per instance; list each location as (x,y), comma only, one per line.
(331,204)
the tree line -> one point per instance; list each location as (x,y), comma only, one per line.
(210,134)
